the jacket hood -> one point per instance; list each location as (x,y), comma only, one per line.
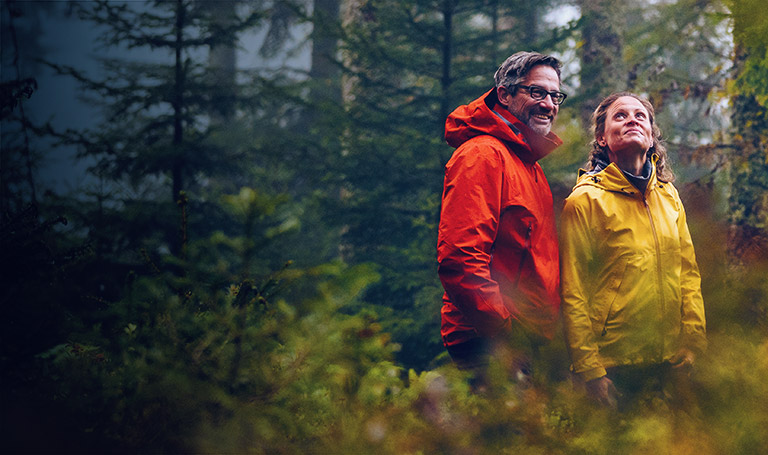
(484,116)
(609,177)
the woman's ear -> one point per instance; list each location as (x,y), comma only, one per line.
(601,141)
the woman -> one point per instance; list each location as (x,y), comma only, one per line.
(632,306)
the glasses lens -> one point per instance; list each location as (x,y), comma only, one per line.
(538,93)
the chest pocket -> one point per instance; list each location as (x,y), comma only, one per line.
(666,213)
(516,235)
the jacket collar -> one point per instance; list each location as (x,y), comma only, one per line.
(609,177)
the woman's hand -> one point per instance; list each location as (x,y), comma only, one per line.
(603,391)
(683,359)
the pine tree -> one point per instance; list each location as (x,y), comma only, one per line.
(151,151)
(20,47)
(602,67)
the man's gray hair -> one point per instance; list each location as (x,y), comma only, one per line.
(516,66)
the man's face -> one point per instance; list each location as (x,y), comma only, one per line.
(539,115)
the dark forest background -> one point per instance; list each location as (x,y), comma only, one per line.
(246,263)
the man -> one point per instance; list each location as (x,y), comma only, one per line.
(497,242)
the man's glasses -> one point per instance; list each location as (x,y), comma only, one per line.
(539,93)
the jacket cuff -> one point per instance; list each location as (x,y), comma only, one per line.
(594,373)
(695,342)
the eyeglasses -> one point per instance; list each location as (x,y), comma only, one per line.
(539,93)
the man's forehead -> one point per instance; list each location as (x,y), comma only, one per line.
(542,74)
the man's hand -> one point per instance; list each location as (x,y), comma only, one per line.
(683,359)
(603,391)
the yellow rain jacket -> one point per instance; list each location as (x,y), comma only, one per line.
(631,289)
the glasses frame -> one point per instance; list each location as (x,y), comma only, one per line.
(555,95)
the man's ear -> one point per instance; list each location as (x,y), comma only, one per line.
(503,95)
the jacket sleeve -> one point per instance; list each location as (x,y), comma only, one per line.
(469,219)
(693,323)
(576,255)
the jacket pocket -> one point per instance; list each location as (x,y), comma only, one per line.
(606,299)
(525,253)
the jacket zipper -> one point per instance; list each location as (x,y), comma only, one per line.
(524,256)
(660,288)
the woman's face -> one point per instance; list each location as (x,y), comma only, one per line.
(628,128)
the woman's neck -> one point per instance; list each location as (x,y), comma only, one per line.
(629,163)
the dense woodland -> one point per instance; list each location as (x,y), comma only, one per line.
(250,265)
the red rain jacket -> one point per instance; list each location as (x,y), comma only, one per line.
(497,242)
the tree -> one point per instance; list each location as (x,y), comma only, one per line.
(20,44)
(222,60)
(157,109)
(748,198)
(602,67)
(627,48)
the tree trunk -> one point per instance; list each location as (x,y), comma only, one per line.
(602,69)
(222,61)
(324,72)
(177,185)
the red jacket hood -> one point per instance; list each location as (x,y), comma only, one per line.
(479,117)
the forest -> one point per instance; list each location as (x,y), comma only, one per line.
(248,262)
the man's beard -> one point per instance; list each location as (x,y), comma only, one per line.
(538,127)
(541,129)
(531,123)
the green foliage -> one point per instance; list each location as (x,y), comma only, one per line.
(231,358)
(748,202)
(187,363)
(37,276)
(750,28)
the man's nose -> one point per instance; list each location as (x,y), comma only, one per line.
(548,102)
